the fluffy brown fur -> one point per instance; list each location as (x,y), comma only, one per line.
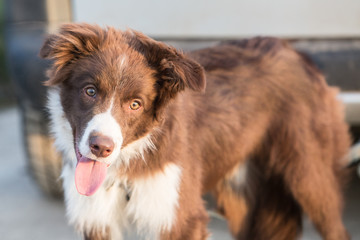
(266,109)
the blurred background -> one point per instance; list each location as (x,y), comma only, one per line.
(31,204)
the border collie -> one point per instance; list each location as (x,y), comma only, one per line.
(142,140)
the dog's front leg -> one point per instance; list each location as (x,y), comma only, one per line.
(190,226)
(97,235)
(191,218)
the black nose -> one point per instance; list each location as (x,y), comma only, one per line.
(101,146)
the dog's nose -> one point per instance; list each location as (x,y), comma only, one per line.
(101,146)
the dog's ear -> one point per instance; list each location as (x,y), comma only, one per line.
(71,43)
(175,71)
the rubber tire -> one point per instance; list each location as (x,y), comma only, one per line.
(44,162)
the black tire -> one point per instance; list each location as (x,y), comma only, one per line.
(25,27)
(43,160)
(26,24)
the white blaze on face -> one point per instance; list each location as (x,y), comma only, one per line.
(91,168)
(106,125)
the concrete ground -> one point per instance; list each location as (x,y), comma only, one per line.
(25,213)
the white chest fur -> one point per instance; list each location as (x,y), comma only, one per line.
(152,206)
(154,201)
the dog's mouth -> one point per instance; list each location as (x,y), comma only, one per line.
(89,174)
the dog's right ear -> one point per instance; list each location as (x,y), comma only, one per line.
(175,71)
(73,42)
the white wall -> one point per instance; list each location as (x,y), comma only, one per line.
(225,18)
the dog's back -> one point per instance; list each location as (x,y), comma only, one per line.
(268,107)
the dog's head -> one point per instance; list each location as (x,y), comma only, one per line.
(114,87)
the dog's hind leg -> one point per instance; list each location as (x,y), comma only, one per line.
(310,164)
(230,198)
(258,208)
(273,213)
(316,188)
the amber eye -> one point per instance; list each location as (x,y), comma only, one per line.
(90,91)
(135,105)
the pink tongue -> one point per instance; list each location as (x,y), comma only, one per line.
(89,175)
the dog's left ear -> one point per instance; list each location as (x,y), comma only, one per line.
(175,71)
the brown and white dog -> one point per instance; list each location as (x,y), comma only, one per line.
(142,139)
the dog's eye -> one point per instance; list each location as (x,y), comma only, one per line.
(135,105)
(90,91)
